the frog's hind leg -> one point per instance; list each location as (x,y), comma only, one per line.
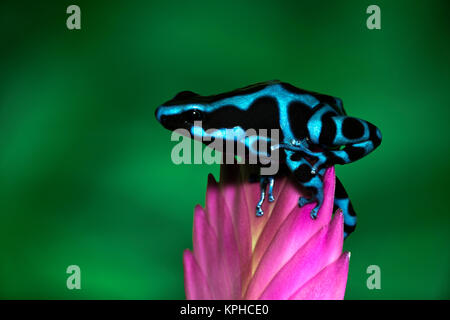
(302,171)
(342,201)
(315,185)
(354,138)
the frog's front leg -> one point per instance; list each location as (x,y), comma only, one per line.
(264,181)
(302,148)
(271,184)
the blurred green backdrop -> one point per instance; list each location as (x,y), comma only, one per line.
(85,171)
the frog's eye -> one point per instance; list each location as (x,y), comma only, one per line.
(195,115)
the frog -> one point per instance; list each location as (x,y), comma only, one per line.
(315,133)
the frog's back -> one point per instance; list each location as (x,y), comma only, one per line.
(273,88)
(247,90)
(288,88)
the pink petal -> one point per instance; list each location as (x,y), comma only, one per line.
(195,284)
(303,227)
(252,192)
(282,255)
(217,254)
(232,237)
(322,249)
(205,250)
(328,284)
(235,203)
(229,255)
(212,204)
(294,232)
(286,201)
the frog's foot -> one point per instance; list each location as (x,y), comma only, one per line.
(299,146)
(314,212)
(264,181)
(319,164)
(302,201)
(319,159)
(302,144)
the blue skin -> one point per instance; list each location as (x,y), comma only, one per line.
(316,133)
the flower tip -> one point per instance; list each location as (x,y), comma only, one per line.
(329,173)
(261,259)
(199,214)
(211,179)
(197,208)
(186,253)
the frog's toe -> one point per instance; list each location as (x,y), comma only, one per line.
(319,165)
(259,211)
(314,213)
(303,201)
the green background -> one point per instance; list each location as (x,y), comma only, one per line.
(85,171)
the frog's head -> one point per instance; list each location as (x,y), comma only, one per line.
(181,112)
(212,116)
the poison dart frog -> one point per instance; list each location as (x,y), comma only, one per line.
(315,132)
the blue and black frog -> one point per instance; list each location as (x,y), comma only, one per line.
(315,132)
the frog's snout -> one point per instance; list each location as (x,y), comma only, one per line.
(165,120)
(158,114)
(161,117)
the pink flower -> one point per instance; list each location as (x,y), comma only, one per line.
(282,255)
